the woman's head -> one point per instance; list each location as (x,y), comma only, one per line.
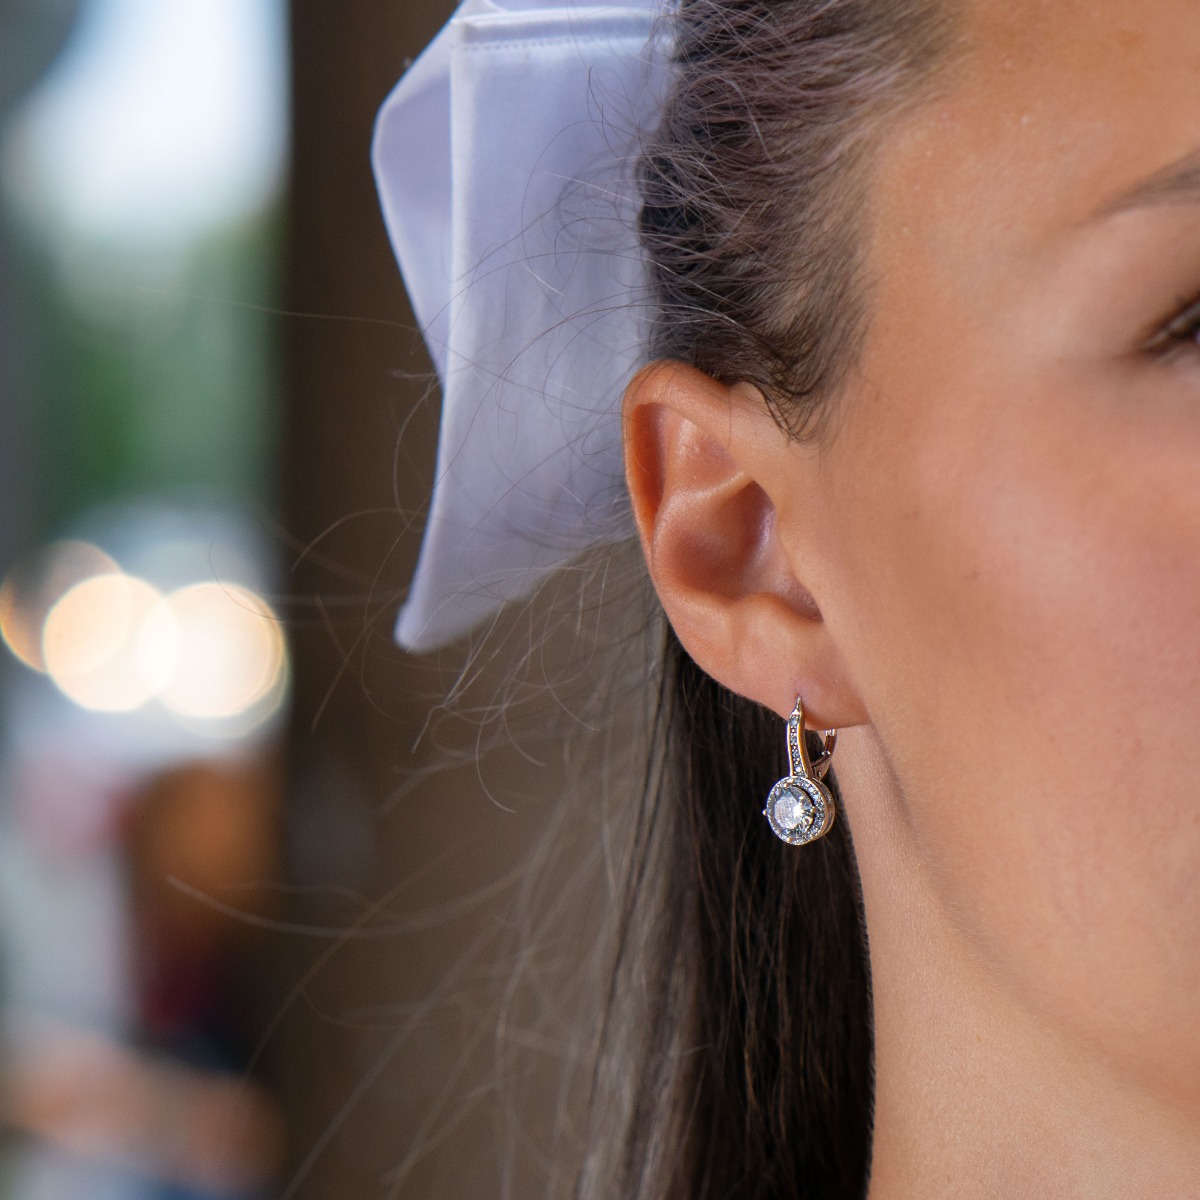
(985,561)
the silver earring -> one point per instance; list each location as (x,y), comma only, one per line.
(800,808)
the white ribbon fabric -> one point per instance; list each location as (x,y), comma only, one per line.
(504,161)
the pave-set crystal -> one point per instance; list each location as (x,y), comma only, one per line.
(800,808)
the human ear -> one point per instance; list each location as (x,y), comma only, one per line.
(709,473)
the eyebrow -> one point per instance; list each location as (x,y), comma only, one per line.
(1176,183)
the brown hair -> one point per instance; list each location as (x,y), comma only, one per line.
(743,972)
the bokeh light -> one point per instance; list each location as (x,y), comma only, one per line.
(213,653)
(94,643)
(231,653)
(33,587)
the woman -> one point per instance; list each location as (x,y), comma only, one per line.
(921,446)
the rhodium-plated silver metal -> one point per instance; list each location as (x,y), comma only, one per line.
(800,808)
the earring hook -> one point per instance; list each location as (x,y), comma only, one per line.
(799,760)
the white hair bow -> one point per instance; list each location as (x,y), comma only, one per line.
(504,160)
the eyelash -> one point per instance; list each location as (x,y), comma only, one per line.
(1180,331)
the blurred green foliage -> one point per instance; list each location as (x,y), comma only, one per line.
(154,369)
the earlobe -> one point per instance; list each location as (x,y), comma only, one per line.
(708,469)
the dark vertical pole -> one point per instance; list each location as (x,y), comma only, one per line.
(30,37)
(351,353)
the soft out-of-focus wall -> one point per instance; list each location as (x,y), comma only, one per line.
(436,1006)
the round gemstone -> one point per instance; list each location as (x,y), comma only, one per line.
(794,810)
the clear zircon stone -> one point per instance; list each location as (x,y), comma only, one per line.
(794,809)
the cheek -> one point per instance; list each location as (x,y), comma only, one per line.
(1030,653)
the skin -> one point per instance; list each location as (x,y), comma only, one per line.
(988,576)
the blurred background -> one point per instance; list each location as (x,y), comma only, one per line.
(258,915)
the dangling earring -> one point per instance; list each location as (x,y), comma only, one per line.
(800,808)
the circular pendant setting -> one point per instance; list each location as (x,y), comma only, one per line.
(799,810)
